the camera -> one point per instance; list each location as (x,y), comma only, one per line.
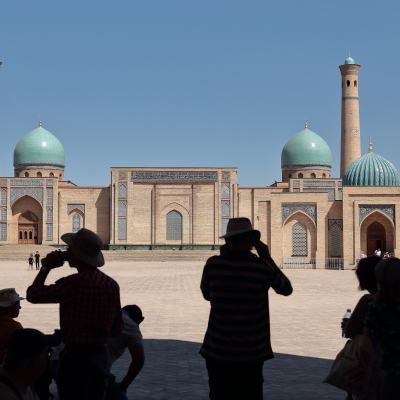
(62,257)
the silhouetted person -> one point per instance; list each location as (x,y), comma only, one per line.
(37,260)
(131,339)
(237,340)
(90,312)
(25,360)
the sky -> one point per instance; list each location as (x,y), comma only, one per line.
(207,83)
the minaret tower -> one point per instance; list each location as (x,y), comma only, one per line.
(350,138)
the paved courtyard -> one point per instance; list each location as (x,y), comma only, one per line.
(305,327)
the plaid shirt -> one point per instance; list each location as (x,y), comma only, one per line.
(90,308)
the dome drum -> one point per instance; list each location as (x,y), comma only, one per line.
(39,165)
(305,166)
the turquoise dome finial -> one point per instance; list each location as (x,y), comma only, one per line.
(349,60)
(39,149)
(306,150)
(371,170)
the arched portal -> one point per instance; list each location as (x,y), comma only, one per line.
(28,228)
(376,238)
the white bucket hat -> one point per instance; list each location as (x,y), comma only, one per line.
(236,226)
(8,297)
(86,246)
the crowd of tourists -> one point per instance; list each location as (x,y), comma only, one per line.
(95,331)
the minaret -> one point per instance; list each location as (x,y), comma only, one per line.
(350,137)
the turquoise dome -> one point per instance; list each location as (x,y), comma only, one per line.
(371,170)
(306,150)
(39,149)
(349,61)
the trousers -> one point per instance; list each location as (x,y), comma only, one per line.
(235,381)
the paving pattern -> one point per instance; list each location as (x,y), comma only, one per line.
(305,327)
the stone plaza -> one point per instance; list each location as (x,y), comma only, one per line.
(305,327)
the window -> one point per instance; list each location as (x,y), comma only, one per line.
(225,210)
(300,175)
(174,225)
(76,223)
(49,214)
(49,232)
(224,225)
(25,235)
(26,174)
(122,228)
(355,83)
(324,175)
(348,83)
(313,175)
(299,240)
(3,197)
(51,175)
(335,241)
(30,235)
(50,197)
(4,214)
(225,192)
(122,210)
(39,174)
(4,232)
(122,192)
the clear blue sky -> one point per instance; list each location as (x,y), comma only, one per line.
(194,83)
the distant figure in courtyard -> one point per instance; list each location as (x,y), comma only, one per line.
(362,255)
(131,339)
(90,313)
(37,259)
(30,262)
(237,340)
(378,252)
(383,318)
(386,255)
(25,361)
(365,273)
(9,309)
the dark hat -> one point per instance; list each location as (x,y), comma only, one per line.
(236,226)
(388,270)
(26,343)
(134,311)
(86,246)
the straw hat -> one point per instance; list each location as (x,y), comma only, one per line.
(8,297)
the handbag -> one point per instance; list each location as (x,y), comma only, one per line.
(352,367)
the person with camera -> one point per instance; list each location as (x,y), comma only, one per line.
(90,313)
(237,340)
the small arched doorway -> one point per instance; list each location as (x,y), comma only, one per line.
(28,228)
(376,238)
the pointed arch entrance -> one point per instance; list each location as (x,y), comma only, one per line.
(376,238)
(28,228)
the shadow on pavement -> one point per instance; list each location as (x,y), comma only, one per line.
(174,370)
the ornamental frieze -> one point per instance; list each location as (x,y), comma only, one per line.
(311,211)
(36,193)
(387,209)
(174,175)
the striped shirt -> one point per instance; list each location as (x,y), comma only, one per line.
(90,308)
(236,284)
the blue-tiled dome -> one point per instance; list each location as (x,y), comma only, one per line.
(306,150)
(39,149)
(371,170)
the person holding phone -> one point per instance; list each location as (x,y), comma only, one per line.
(237,340)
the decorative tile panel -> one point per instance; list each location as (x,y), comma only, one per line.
(311,211)
(49,214)
(350,131)
(26,182)
(49,232)
(296,190)
(331,192)
(174,175)
(349,98)
(318,183)
(332,222)
(3,197)
(122,192)
(225,210)
(299,240)
(70,207)
(174,225)
(296,184)
(366,209)
(3,182)
(225,191)
(339,183)
(3,231)
(4,214)
(36,193)
(226,176)
(122,210)
(340,195)
(50,197)
(49,182)
(122,228)
(224,226)
(335,241)
(76,223)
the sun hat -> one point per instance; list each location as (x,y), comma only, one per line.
(8,297)
(26,343)
(236,226)
(388,270)
(86,246)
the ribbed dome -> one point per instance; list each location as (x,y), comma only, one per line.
(306,150)
(371,170)
(39,149)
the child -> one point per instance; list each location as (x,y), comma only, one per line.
(30,261)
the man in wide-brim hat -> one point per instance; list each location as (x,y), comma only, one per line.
(237,340)
(90,313)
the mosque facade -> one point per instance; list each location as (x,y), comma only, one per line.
(309,215)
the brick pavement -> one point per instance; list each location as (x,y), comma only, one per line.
(305,327)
